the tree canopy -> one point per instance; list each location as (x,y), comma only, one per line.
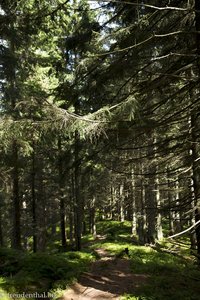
(99,119)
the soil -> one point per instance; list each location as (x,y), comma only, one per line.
(108,278)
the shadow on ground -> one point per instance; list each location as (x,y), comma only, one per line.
(109,278)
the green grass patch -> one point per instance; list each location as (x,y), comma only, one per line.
(114,228)
(4,295)
(170,277)
(40,272)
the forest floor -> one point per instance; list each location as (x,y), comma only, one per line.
(145,273)
(108,278)
(111,266)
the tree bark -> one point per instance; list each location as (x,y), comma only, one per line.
(142,222)
(150,197)
(41,213)
(159,216)
(121,202)
(16,242)
(171,212)
(78,202)
(71,211)
(93,217)
(194,117)
(195,178)
(33,194)
(134,208)
(61,193)
(1,227)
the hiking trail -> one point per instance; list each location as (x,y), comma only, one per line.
(109,278)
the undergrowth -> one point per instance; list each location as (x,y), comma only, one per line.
(41,272)
(169,277)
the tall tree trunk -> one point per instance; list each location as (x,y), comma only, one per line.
(195,178)
(134,208)
(71,211)
(12,92)
(192,222)
(150,198)
(16,242)
(194,117)
(112,201)
(159,216)
(1,225)
(78,202)
(93,217)
(171,212)
(142,220)
(61,193)
(33,194)
(178,214)
(121,202)
(41,213)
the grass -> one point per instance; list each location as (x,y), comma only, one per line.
(114,228)
(170,277)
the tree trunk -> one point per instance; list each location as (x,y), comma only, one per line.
(142,225)
(78,202)
(1,226)
(33,194)
(194,117)
(178,215)
(134,208)
(121,202)
(112,202)
(41,213)
(61,193)
(16,241)
(71,212)
(159,216)
(192,222)
(93,218)
(171,212)
(195,179)
(150,197)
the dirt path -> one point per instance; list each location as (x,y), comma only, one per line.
(108,279)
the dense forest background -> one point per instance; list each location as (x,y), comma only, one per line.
(99,120)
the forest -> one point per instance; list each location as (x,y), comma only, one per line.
(100,149)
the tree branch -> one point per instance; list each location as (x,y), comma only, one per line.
(146,5)
(145,41)
(184,231)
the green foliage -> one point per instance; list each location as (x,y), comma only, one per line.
(4,295)
(145,260)
(114,227)
(10,261)
(40,272)
(169,277)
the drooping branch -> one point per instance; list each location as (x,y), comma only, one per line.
(184,231)
(164,35)
(147,5)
